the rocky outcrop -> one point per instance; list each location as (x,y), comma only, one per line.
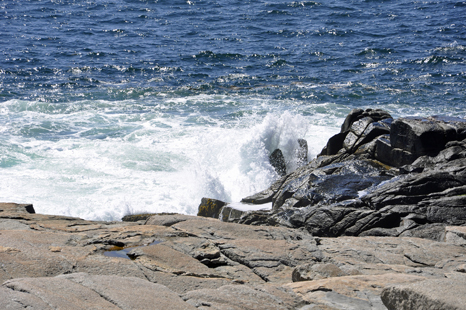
(371,223)
(377,177)
(175,261)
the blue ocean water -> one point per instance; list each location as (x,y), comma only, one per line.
(116,106)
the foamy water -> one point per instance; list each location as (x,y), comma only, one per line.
(101,164)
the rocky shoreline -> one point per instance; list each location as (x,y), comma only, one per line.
(377,177)
(375,222)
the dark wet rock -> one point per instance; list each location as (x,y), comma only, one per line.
(357,114)
(412,137)
(264,196)
(230,214)
(302,152)
(260,217)
(136,217)
(359,127)
(426,136)
(329,184)
(210,207)
(395,157)
(334,144)
(277,160)
(377,177)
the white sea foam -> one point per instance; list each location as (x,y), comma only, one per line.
(100,160)
(94,160)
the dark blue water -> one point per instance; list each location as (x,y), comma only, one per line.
(409,52)
(116,106)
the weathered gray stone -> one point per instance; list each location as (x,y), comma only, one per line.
(199,256)
(130,293)
(316,271)
(16,300)
(9,224)
(445,294)
(271,265)
(183,284)
(455,235)
(244,297)
(160,258)
(16,208)
(60,293)
(349,292)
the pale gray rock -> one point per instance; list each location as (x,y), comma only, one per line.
(445,294)
(220,265)
(316,271)
(16,300)
(129,293)
(9,224)
(244,297)
(183,284)
(60,293)
(162,258)
(455,235)
(349,292)
(84,291)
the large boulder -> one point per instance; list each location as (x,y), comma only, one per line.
(412,137)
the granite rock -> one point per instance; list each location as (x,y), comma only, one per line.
(188,262)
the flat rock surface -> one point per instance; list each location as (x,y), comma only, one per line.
(445,294)
(186,262)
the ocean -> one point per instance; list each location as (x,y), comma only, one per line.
(110,107)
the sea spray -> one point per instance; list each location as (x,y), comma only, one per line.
(97,162)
